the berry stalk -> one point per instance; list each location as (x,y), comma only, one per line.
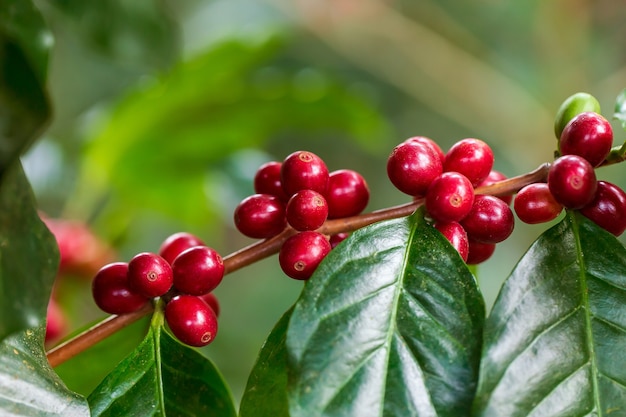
(268,247)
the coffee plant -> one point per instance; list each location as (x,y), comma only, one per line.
(391,320)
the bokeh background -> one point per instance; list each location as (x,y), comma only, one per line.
(163,111)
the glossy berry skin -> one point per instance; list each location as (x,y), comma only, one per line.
(573,105)
(260,216)
(334,240)
(456,235)
(191,320)
(450,197)
(494,177)
(306,210)
(303,170)
(347,194)
(111,292)
(302,253)
(149,275)
(470,157)
(412,166)
(572,181)
(177,243)
(213,302)
(198,270)
(608,208)
(588,135)
(434,146)
(479,252)
(490,220)
(535,204)
(267,180)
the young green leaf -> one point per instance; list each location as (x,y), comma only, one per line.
(620,108)
(28,256)
(163,377)
(28,386)
(554,342)
(266,391)
(390,324)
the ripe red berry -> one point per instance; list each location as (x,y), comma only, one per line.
(470,157)
(111,292)
(303,170)
(456,235)
(449,197)
(608,208)
(412,166)
(588,135)
(347,194)
(572,181)
(490,220)
(191,320)
(430,143)
(267,180)
(198,270)
(334,240)
(213,302)
(535,204)
(479,252)
(302,253)
(177,243)
(260,216)
(149,275)
(494,177)
(306,210)
(56,322)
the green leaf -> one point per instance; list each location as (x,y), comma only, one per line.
(23,58)
(555,340)
(620,108)
(28,386)
(266,391)
(163,377)
(390,324)
(28,256)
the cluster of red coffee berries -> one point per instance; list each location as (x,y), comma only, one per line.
(584,144)
(183,273)
(301,193)
(473,223)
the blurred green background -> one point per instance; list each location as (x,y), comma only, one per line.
(163,111)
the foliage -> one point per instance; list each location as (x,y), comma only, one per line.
(392,323)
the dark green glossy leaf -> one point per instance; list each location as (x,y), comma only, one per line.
(28,386)
(555,340)
(163,377)
(266,391)
(620,108)
(390,324)
(28,256)
(23,57)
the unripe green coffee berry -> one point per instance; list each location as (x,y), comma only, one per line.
(573,106)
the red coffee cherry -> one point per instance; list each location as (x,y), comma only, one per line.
(198,270)
(470,157)
(302,253)
(347,194)
(489,221)
(176,244)
(572,181)
(149,275)
(536,204)
(303,170)
(456,235)
(449,197)
(412,166)
(111,292)
(260,216)
(588,135)
(430,143)
(267,180)
(494,177)
(191,320)
(213,302)
(334,240)
(306,210)
(479,252)
(56,322)
(608,208)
